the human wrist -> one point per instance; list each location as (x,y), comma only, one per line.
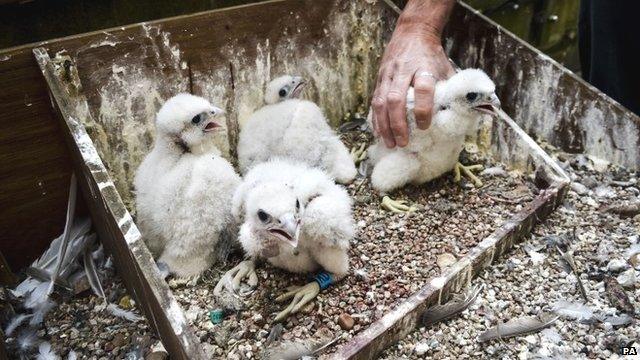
(426,18)
(416,25)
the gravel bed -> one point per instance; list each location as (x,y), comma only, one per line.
(392,256)
(534,278)
(84,325)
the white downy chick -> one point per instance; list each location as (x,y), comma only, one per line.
(298,219)
(460,103)
(288,127)
(184,187)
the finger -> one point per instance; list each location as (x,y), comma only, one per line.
(397,109)
(424,87)
(380,114)
(450,69)
(382,121)
(371,119)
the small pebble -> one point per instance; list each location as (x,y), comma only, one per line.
(616,265)
(345,321)
(445,260)
(579,188)
(421,348)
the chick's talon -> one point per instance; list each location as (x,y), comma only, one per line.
(232,279)
(396,206)
(359,153)
(460,169)
(301,296)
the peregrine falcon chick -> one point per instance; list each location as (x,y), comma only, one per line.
(184,187)
(460,103)
(288,127)
(299,220)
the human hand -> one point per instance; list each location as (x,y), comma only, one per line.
(414,56)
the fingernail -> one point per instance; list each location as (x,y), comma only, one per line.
(390,144)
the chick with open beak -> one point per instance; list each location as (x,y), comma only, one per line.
(195,135)
(299,220)
(486,103)
(461,104)
(280,232)
(184,188)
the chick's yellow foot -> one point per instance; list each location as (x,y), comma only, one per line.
(396,206)
(301,296)
(232,279)
(460,169)
(359,153)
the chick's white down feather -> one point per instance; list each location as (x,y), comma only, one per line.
(296,129)
(184,187)
(432,152)
(281,188)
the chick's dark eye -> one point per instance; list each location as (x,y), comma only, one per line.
(196,119)
(472,96)
(282,92)
(263,216)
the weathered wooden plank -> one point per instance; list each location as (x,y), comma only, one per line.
(27,21)
(34,163)
(113,222)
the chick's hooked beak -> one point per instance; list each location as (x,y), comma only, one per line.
(298,84)
(211,124)
(287,229)
(490,106)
